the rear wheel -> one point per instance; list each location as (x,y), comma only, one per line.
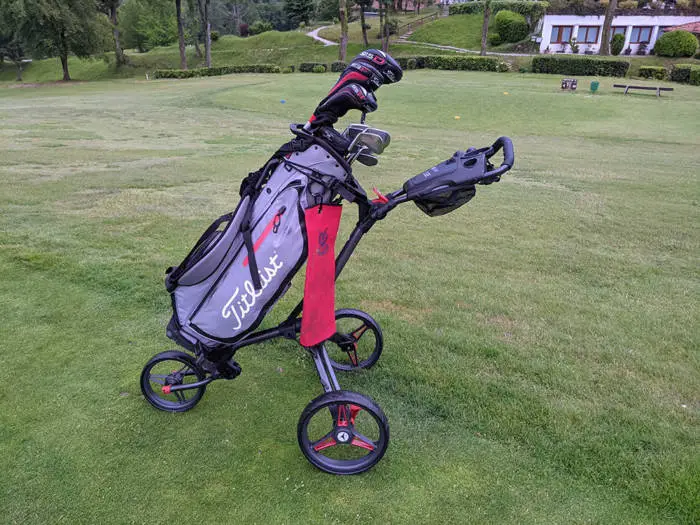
(357,343)
(343,432)
(167,370)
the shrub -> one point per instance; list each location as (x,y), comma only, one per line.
(215,71)
(628,4)
(511,26)
(308,67)
(338,67)
(642,49)
(681,72)
(655,72)
(259,27)
(214,36)
(455,63)
(319,69)
(676,44)
(617,44)
(683,4)
(580,66)
(695,75)
(287,70)
(243,30)
(495,39)
(529,9)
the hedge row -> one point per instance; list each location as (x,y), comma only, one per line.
(215,71)
(580,66)
(686,73)
(308,67)
(655,72)
(458,63)
(530,9)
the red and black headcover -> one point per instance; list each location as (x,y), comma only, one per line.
(369,70)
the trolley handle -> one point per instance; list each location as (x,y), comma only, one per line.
(508,158)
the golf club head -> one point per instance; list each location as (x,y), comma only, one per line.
(367,159)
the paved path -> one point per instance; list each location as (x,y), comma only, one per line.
(459,49)
(314,34)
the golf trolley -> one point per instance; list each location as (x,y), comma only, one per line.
(227,284)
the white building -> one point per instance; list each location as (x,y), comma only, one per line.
(559,30)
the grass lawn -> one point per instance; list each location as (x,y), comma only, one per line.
(462,31)
(541,359)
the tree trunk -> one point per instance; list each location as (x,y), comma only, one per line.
(385,33)
(181,34)
(417,7)
(118,51)
(207,43)
(64,64)
(607,22)
(343,8)
(197,49)
(364,28)
(206,29)
(485,28)
(19,70)
(64,56)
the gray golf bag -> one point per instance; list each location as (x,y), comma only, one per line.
(246,259)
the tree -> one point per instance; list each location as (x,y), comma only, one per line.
(485,26)
(148,23)
(203,6)
(62,27)
(11,41)
(343,10)
(299,11)
(607,22)
(364,4)
(180,34)
(110,8)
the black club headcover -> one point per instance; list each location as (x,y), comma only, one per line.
(337,104)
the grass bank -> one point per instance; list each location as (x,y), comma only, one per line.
(541,342)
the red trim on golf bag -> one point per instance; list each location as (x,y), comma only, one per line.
(318,318)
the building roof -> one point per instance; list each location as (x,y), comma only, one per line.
(693,27)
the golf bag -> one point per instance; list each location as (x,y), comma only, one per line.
(244,262)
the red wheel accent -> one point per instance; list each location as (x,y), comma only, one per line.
(326,443)
(354,410)
(357,442)
(166,389)
(342,416)
(358,333)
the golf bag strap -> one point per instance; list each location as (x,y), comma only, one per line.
(247,233)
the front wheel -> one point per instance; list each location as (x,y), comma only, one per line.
(169,369)
(343,432)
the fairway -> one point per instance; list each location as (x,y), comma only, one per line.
(541,343)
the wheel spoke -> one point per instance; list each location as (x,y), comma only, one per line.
(359,332)
(342,419)
(157,378)
(361,441)
(352,355)
(325,442)
(180,396)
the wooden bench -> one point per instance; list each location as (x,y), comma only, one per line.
(627,87)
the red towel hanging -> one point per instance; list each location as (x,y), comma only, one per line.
(318,317)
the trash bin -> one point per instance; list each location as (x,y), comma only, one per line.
(594,86)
